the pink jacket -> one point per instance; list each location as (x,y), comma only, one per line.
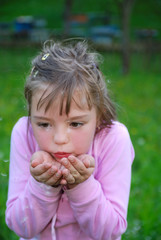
(95,209)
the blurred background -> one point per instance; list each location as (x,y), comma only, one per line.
(128,35)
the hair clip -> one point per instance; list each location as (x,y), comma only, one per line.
(45,56)
(32,70)
(35,74)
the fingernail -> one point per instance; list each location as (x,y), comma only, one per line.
(65,162)
(47,165)
(71,158)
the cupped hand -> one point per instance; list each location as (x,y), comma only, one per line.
(77,169)
(44,168)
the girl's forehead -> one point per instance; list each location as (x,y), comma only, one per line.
(78,99)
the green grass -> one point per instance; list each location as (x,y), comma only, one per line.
(138,99)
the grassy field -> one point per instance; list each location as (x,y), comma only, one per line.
(138,99)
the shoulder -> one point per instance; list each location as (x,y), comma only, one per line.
(22,134)
(113,146)
(116,132)
(114,140)
(20,126)
(21,122)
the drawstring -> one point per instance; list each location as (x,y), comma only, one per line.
(53,234)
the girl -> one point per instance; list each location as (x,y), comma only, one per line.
(70,160)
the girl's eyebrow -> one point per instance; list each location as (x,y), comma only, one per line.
(69,118)
(78,117)
(41,118)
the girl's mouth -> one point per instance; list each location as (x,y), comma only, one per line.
(60,155)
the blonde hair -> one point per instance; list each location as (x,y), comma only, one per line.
(64,68)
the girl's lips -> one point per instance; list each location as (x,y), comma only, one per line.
(61,155)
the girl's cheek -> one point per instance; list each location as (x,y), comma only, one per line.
(81,141)
(42,138)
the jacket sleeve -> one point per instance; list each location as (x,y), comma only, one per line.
(100,203)
(30,205)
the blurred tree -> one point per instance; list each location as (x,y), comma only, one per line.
(67,16)
(125,9)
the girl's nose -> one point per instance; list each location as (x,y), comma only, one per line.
(60,136)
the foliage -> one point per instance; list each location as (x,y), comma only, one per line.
(138,99)
(53,11)
(138,96)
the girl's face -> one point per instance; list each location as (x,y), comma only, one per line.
(63,135)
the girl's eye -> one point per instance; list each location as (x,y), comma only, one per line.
(43,125)
(76,124)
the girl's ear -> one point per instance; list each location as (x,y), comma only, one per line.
(98,124)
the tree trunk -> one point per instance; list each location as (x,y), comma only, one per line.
(125,7)
(67,16)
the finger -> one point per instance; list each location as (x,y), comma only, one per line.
(55,179)
(89,162)
(77,164)
(38,156)
(63,181)
(67,164)
(67,176)
(35,163)
(86,162)
(45,176)
(40,169)
(49,177)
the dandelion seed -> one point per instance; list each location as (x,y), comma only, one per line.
(137,226)
(3,174)
(6,160)
(48,187)
(141,141)
(41,185)
(26,207)
(47,193)
(24,219)
(47,190)
(148,238)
